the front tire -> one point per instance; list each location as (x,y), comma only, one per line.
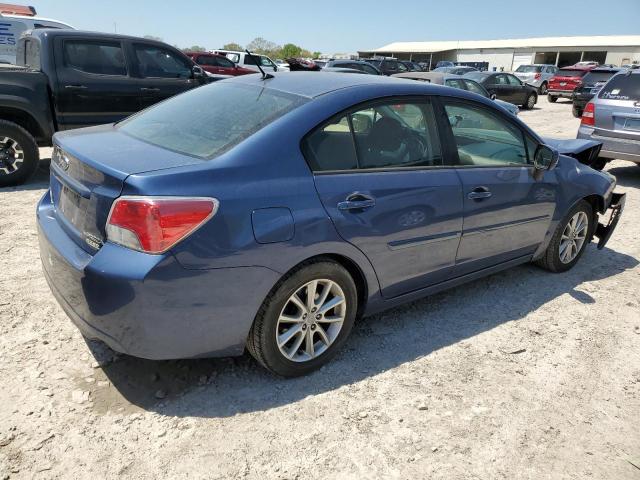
(570,239)
(305,320)
(543,88)
(552,98)
(19,154)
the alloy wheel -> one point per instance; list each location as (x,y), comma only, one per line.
(11,155)
(311,320)
(573,237)
(531,102)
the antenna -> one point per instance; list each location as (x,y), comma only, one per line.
(265,76)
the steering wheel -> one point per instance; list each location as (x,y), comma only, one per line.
(419,148)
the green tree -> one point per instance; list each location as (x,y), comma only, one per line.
(195,48)
(317,54)
(290,50)
(263,47)
(236,47)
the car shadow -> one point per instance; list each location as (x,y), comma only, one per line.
(38,181)
(626,176)
(225,387)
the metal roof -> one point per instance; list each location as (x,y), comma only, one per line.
(541,42)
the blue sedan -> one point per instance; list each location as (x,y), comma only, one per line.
(271,213)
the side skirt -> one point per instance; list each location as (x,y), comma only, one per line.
(439,287)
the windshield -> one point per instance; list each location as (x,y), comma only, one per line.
(528,69)
(595,77)
(207,121)
(624,86)
(477,76)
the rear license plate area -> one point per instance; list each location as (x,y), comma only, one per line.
(69,203)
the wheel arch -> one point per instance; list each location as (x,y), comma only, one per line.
(23,119)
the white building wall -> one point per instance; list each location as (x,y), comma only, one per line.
(500,59)
(621,55)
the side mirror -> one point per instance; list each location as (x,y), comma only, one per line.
(361,122)
(493,96)
(198,72)
(544,159)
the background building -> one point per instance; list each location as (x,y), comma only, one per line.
(509,54)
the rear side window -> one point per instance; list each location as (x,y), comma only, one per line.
(368,69)
(32,54)
(384,135)
(102,58)
(622,87)
(207,121)
(475,88)
(595,77)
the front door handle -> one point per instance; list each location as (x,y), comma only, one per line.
(357,201)
(479,193)
(147,89)
(75,87)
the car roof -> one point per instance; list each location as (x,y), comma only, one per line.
(437,78)
(313,84)
(57,32)
(607,69)
(578,67)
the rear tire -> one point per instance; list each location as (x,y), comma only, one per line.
(287,310)
(531,102)
(552,98)
(19,154)
(552,258)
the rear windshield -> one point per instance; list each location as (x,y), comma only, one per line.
(571,73)
(622,87)
(207,121)
(595,77)
(528,69)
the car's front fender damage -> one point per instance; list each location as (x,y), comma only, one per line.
(585,151)
(604,232)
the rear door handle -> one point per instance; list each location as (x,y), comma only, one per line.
(479,193)
(357,201)
(147,89)
(75,87)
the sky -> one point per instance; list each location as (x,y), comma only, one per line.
(345,26)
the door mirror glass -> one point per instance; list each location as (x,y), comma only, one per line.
(545,158)
(197,71)
(493,96)
(362,122)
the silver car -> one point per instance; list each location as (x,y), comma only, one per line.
(537,76)
(613,118)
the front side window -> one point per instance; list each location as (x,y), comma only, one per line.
(101,58)
(368,69)
(483,138)
(384,135)
(513,80)
(500,80)
(455,83)
(207,121)
(476,88)
(157,62)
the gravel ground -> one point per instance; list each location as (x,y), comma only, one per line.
(524,374)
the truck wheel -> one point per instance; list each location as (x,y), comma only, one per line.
(552,98)
(19,154)
(570,239)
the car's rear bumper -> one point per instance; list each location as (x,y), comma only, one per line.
(149,305)
(613,147)
(560,93)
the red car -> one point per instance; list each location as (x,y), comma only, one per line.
(563,83)
(218,64)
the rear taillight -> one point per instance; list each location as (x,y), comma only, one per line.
(537,76)
(589,115)
(155,224)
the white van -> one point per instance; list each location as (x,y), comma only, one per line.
(243,60)
(12,26)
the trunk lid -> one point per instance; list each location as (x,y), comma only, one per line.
(618,109)
(88,170)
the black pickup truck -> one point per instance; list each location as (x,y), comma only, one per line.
(68,79)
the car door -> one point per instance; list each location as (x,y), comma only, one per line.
(379,173)
(162,72)
(94,85)
(208,63)
(504,90)
(506,211)
(519,92)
